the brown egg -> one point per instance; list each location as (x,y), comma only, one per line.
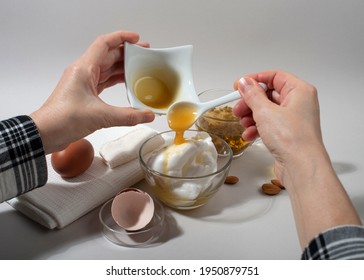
(74,160)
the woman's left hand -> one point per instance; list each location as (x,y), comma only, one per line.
(75,109)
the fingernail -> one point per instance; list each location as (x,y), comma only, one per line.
(149,116)
(245,84)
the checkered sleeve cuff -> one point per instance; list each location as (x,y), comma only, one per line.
(343,242)
(23,164)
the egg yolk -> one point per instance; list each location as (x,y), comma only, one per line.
(153,92)
(181,118)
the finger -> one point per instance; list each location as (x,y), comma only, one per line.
(113,63)
(144,44)
(280,81)
(111,57)
(117,55)
(103,44)
(236,84)
(120,116)
(115,39)
(272,95)
(116,69)
(247,121)
(240,109)
(276,97)
(113,80)
(253,94)
(250,133)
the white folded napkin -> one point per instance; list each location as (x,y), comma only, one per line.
(62,201)
(126,147)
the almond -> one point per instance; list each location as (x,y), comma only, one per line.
(277,183)
(270,189)
(231,180)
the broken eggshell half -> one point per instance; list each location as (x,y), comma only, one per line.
(132,209)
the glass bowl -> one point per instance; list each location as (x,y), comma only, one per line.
(185,192)
(222,122)
(140,238)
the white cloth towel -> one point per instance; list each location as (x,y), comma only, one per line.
(62,201)
(126,147)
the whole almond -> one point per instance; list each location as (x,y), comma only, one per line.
(277,183)
(270,189)
(231,180)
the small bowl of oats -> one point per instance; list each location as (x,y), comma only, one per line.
(222,122)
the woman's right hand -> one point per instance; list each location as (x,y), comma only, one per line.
(287,117)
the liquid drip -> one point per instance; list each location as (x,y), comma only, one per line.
(181,118)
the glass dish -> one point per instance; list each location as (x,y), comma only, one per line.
(222,122)
(175,191)
(141,238)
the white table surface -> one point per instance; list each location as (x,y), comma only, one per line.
(320,41)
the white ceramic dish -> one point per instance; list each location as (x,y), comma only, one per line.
(172,65)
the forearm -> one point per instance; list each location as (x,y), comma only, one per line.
(22,160)
(319,201)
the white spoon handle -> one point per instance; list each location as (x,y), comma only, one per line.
(221,100)
(225,99)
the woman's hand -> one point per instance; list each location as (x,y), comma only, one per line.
(75,109)
(287,117)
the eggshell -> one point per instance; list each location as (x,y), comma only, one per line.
(74,160)
(132,209)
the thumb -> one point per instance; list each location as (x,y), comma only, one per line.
(127,116)
(252,93)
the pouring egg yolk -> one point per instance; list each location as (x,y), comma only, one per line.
(181,118)
(154,93)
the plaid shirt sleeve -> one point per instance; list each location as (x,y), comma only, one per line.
(23,164)
(343,242)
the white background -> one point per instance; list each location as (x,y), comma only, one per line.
(320,41)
